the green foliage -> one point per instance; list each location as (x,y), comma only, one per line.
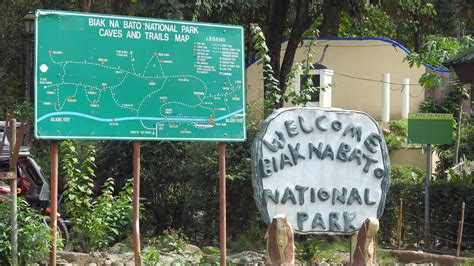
(210,256)
(374,22)
(33,234)
(150,256)
(98,221)
(12,51)
(307,88)
(319,250)
(434,52)
(437,50)
(445,211)
(170,9)
(467,143)
(253,238)
(406,172)
(385,258)
(397,134)
(272,92)
(180,184)
(171,240)
(22,112)
(450,104)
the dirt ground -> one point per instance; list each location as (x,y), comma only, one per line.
(192,255)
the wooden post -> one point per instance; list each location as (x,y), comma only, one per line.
(399,223)
(363,243)
(53,218)
(222,204)
(13,194)
(460,229)
(280,242)
(427,196)
(7,121)
(136,202)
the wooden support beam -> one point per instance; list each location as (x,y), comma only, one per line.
(7,175)
(136,203)
(13,194)
(222,205)
(53,216)
(16,148)
(460,229)
(280,242)
(363,243)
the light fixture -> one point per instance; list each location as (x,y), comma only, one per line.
(29,22)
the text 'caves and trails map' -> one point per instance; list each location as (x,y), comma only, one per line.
(116,77)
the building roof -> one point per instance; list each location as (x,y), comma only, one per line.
(465,56)
(441,69)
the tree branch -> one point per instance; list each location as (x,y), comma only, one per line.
(302,21)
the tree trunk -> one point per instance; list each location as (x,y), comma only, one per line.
(332,10)
(85,5)
(278,11)
(458,133)
(120,7)
(302,21)
(56,5)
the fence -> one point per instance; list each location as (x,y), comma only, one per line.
(451,217)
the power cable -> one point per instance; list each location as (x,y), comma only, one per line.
(375,80)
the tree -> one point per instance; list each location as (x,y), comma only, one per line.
(292,20)
(434,52)
(12,51)
(85,5)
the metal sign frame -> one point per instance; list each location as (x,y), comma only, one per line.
(238,131)
(430,128)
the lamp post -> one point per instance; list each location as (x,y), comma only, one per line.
(29,24)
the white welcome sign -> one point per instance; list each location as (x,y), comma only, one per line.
(327,170)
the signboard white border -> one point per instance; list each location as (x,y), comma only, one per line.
(39,13)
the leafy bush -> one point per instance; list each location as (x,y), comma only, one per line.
(98,221)
(406,172)
(318,250)
(385,258)
(169,240)
(467,143)
(397,134)
(33,234)
(150,256)
(445,210)
(252,238)
(210,256)
(181,187)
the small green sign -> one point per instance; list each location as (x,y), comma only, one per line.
(117,77)
(430,128)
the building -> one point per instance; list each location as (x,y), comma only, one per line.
(358,65)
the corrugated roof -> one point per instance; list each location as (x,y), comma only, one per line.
(466,56)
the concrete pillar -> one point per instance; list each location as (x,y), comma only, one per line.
(405,98)
(325,97)
(385,117)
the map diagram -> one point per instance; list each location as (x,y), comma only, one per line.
(98,77)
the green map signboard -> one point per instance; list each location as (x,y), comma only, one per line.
(430,128)
(116,77)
